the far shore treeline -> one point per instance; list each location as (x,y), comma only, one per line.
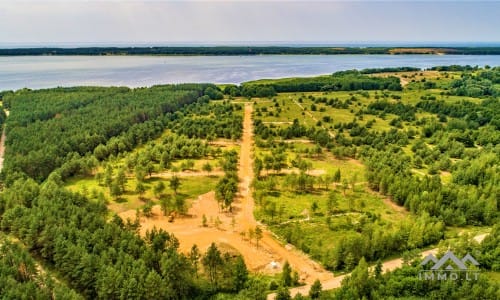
(248,50)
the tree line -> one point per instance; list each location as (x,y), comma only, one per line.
(351,80)
(243,50)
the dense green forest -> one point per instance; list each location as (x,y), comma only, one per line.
(442,135)
(48,128)
(351,80)
(249,50)
(351,168)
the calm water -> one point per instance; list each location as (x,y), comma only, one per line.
(51,71)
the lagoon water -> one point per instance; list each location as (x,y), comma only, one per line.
(51,71)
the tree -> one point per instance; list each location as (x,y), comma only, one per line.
(315,291)
(314,207)
(175,183)
(158,189)
(345,186)
(121,179)
(281,211)
(271,209)
(337,176)
(258,235)
(140,173)
(283,293)
(251,234)
(194,257)
(332,202)
(217,222)
(286,274)
(180,203)
(108,176)
(257,167)
(354,180)
(165,203)
(140,188)
(207,167)
(212,262)
(114,189)
(99,178)
(378,270)
(147,209)
(240,274)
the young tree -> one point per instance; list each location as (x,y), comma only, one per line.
(180,204)
(217,222)
(314,207)
(108,176)
(315,291)
(251,234)
(207,167)
(378,270)
(354,180)
(213,263)
(332,202)
(175,183)
(147,209)
(240,274)
(140,173)
(286,274)
(337,176)
(257,167)
(283,293)
(99,177)
(345,186)
(271,209)
(114,189)
(121,179)
(140,188)
(258,235)
(194,256)
(158,189)
(165,202)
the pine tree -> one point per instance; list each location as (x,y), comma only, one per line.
(283,293)
(258,235)
(315,291)
(194,257)
(286,274)
(212,262)
(240,274)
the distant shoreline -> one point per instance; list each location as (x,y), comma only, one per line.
(245,51)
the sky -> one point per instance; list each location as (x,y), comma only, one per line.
(159,22)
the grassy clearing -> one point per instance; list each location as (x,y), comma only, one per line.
(190,188)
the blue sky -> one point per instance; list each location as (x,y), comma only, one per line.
(157,22)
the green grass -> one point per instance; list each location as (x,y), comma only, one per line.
(191,187)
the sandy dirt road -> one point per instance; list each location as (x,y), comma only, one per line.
(386,266)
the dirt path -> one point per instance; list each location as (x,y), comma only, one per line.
(308,269)
(386,267)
